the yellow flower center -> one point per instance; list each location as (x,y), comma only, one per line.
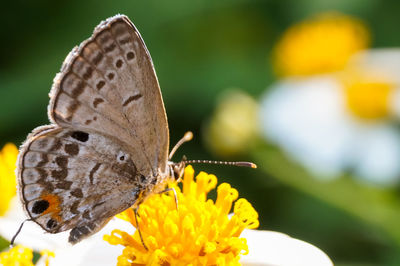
(320,44)
(368,95)
(8,183)
(17,256)
(198,233)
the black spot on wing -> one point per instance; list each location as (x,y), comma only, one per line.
(80,135)
(51,224)
(40,206)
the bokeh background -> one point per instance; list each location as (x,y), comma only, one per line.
(278,82)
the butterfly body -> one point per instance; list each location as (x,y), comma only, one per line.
(106,148)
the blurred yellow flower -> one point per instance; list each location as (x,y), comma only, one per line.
(8,158)
(17,256)
(320,44)
(198,233)
(234,124)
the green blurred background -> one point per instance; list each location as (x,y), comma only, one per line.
(201,48)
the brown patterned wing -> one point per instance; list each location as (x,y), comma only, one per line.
(108,85)
(71,179)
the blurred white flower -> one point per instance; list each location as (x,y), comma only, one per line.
(343,121)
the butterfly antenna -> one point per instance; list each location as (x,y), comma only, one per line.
(244,164)
(187,137)
(17,233)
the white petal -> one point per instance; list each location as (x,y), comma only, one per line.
(93,250)
(273,248)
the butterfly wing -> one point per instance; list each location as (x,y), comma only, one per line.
(70,179)
(108,85)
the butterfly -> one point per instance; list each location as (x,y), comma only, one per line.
(106,148)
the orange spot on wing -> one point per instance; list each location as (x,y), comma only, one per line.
(54,205)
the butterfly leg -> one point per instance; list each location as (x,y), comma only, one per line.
(175,196)
(136,210)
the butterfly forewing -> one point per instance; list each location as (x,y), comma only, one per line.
(108,84)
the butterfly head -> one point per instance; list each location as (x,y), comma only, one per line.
(177,169)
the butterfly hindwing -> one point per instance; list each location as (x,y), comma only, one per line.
(108,84)
(70,179)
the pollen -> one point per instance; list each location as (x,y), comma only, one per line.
(8,183)
(320,44)
(199,232)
